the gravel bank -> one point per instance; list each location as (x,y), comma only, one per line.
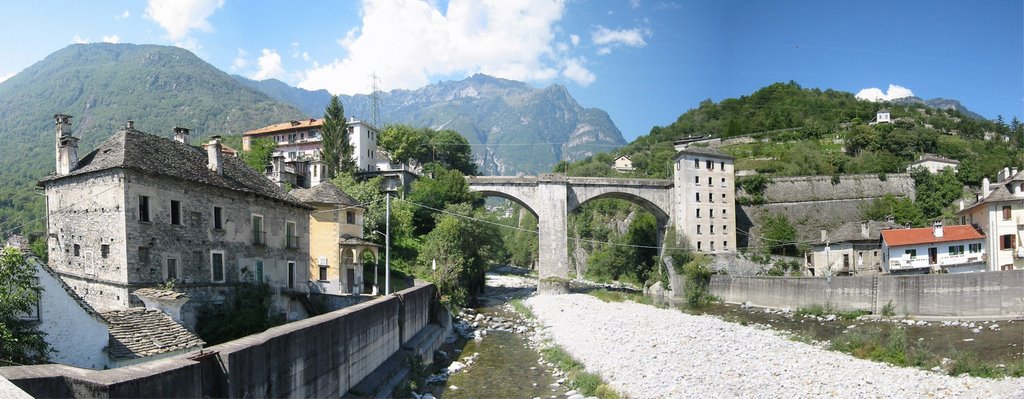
(648,352)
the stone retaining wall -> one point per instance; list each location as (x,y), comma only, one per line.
(322,356)
(987,295)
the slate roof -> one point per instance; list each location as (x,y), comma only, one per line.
(704,151)
(935,158)
(159,294)
(851,231)
(132,149)
(141,332)
(923,235)
(324,193)
(1000,193)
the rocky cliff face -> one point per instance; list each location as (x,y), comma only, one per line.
(513,127)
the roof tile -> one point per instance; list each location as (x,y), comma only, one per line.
(924,235)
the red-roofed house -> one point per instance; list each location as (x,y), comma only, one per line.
(950,249)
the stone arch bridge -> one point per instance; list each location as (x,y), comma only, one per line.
(551,197)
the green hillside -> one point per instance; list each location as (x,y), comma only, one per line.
(797,131)
(103,85)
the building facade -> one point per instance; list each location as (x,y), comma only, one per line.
(933,163)
(142,210)
(336,244)
(937,249)
(849,250)
(297,159)
(704,212)
(623,164)
(998,211)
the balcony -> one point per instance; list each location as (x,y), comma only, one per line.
(259,237)
(292,242)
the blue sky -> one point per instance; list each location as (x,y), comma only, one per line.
(645,62)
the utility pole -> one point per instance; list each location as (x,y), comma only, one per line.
(387,243)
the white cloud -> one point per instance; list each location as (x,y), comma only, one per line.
(575,39)
(240,61)
(79,40)
(575,70)
(604,51)
(409,42)
(634,4)
(178,17)
(112,39)
(270,66)
(189,44)
(7,76)
(123,15)
(623,37)
(875,94)
(305,56)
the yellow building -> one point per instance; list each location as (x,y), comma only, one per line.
(336,244)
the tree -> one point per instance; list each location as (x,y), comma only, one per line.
(403,143)
(935,191)
(446,187)
(336,148)
(453,151)
(20,341)
(258,156)
(463,249)
(777,233)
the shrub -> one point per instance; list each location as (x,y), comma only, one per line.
(888,310)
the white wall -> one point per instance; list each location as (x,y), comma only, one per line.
(899,260)
(78,336)
(723,208)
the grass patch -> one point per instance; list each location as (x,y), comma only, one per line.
(852,314)
(588,384)
(620,296)
(828,309)
(520,307)
(888,310)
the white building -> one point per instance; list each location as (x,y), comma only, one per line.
(623,164)
(933,163)
(937,249)
(999,212)
(882,116)
(705,215)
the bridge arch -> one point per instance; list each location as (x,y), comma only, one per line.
(662,215)
(508,196)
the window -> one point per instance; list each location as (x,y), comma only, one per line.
(258,265)
(143,208)
(723,184)
(723,197)
(698,229)
(974,248)
(218,218)
(698,213)
(711,213)
(696,163)
(725,245)
(846,261)
(711,197)
(1006,241)
(711,245)
(696,180)
(709,164)
(912,253)
(77,250)
(709,181)
(105,250)
(259,237)
(176,212)
(724,213)
(1007,212)
(171,271)
(724,231)
(697,195)
(291,238)
(350,217)
(698,246)
(291,274)
(721,166)
(323,272)
(956,250)
(712,229)
(217,266)
(143,255)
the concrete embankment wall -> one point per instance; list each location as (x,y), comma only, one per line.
(988,295)
(323,356)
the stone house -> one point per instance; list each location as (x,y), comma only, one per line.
(141,210)
(936,249)
(850,249)
(336,244)
(84,337)
(998,212)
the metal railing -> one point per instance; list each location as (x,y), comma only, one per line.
(292,242)
(259,237)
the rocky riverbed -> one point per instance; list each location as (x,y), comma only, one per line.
(643,352)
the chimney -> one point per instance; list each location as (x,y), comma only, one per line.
(890,219)
(214,161)
(937,229)
(130,125)
(181,135)
(63,123)
(961,205)
(824,235)
(984,187)
(864,229)
(67,145)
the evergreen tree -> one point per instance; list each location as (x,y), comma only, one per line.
(336,148)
